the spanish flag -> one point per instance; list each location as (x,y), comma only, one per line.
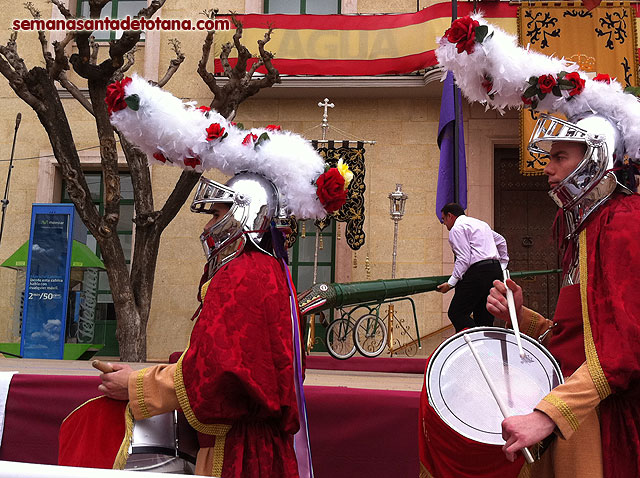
(356,45)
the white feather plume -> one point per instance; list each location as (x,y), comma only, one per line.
(167,125)
(510,67)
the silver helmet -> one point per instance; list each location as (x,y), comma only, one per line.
(592,182)
(252,202)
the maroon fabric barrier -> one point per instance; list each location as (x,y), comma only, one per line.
(357,432)
(354,432)
(364,364)
(36,406)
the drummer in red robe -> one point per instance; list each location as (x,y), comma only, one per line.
(595,333)
(235,381)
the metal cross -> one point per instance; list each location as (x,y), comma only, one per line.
(325,116)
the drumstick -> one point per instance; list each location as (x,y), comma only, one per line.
(505,411)
(512,312)
(104,367)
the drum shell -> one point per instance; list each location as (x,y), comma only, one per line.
(449,452)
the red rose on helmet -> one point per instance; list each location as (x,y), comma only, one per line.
(191,162)
(250,139)
(463,34)
(578,83)
(546,83)
(487,84)
(115,95)
(159,157)
(603,78)
(214,131)
(331,190)
(526,101)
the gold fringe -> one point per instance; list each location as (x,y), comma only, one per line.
(564,409)
(140,393)
(218,454)
(219,430)
(123,453)
(424,473)
(593,362)
(634,38)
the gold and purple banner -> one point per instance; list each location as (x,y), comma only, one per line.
(602,40)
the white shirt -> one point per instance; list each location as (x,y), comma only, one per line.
(472,240)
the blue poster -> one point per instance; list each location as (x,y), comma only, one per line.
(48,266)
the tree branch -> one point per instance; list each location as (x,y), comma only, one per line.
(94,46)
(182,191)
(61,61)
(81,61)
(108,158)
(224,58)
(150,10)
(267,57)
(10,52)
(62,9)
(253,69)
(174,64)
(130,59)
(95,7)
(208,78)
(16,82)
(140,178)
(75,92)
(243,52)
(44,44)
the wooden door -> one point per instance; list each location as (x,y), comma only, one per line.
(524,215)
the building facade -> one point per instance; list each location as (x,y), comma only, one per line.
(399,113)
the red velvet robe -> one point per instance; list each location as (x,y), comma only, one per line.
(238,368)
(234,383)
(613,297)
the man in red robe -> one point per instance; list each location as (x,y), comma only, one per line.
(595,332)
(235,381)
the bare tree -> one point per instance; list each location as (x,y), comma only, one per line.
(131,289)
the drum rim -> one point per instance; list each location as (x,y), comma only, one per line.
(474,330)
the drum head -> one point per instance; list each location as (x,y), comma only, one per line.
(460,395)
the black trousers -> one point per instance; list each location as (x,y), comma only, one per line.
(471,296)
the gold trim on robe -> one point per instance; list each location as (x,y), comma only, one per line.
(595,369)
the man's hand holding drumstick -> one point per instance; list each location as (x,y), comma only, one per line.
(518,431)
(115,379)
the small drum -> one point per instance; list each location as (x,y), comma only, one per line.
(163,444)
(462,421)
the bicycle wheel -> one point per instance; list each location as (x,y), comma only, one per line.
(340,339)
(370,335)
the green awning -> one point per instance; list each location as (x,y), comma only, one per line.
(81,257)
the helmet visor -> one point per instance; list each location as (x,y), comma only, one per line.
(550,129)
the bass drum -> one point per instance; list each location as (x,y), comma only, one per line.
(462,421)
(164,443)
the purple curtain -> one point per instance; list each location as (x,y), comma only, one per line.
(446,183)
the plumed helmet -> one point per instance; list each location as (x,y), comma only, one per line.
(592,181)
(252,202)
